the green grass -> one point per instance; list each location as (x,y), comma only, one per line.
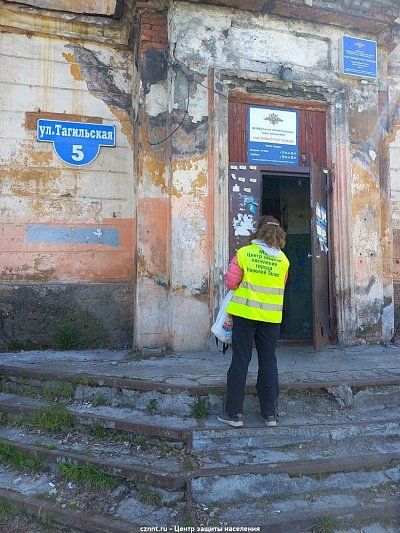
(27,390)
(14,346)
(47,521)
(80,379)
(187,463)
(98,400)
(66,337)
(200,409)
(151,406)
(148,496)
(140,441)
(8,510)
(55,417)
(187,517)
(46,496)
(61,390)
(88,475)
(19,460)
(325,525)
(97,430)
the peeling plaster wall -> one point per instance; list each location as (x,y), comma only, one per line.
(394,168)
(64,226)
(95,7)
(70,234)
(246,52)
(174,264)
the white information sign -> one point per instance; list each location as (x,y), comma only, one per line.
(272,136)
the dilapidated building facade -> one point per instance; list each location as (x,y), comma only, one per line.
(131,248)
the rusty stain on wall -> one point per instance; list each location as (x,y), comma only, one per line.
(75,68)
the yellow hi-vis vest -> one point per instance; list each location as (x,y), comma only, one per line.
(260,294)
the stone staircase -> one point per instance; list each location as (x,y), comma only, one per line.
(105,453)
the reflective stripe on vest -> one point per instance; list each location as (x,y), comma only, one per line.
(265,290)
(258,305)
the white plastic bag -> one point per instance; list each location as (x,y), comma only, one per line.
(222,327)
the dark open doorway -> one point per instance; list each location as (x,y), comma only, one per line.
(299,198)
(288,200)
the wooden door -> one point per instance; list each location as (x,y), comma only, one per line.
(319,252)
(245,183)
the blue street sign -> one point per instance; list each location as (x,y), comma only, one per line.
(76,143)
(359,57)
(272,136)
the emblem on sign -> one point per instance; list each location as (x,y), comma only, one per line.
(76,143)
(273,118)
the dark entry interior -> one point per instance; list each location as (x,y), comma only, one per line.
(288,200)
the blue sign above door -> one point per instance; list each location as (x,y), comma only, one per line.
(359,57)
(272,136)
(76,143)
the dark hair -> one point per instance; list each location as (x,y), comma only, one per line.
(269,231)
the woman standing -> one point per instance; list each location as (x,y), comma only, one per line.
(258,274)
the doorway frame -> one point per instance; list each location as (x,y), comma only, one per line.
(304,171)
(335,105)
(337,163)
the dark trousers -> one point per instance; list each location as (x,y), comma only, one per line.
(265,335)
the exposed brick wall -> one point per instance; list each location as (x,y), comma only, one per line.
(154,30)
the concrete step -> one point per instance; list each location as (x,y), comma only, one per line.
(176,397)
(291,432)
(222,490)
(157,466)
(121,509)
(163,427)
(42,496)
(171,469)
(318,456)
(212,434)
(376,397)
(329,452)
(315,512)
(257,452)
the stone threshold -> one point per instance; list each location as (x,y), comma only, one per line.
(147,385)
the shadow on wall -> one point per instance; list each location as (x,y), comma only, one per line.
(66,316)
